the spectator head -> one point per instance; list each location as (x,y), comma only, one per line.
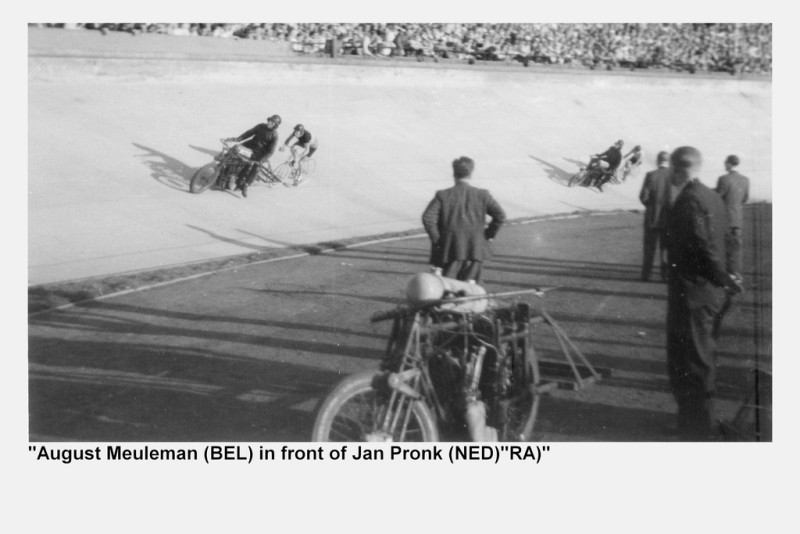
(685,162)
(662,159)
(731,162)
(463,167)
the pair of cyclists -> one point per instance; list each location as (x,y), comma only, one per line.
(262,139)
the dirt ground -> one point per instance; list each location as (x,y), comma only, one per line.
(246,354)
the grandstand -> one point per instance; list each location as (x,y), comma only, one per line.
(728,48)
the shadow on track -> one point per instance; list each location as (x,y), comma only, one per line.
(112,391)
(554,173)
(165,169)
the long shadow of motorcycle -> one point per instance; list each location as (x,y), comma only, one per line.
(169,171)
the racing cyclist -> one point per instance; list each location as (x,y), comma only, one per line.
(633,160)
(305,144)
(261,139)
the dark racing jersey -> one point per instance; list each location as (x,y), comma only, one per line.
(262,140)
(612,156)
(305,139)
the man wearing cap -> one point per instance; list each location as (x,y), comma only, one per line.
(608,161)
(734,190)
(698,281)
(455,221)
(261,139)
(655,195)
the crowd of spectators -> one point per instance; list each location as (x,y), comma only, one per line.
(733,48)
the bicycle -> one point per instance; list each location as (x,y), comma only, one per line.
(629,170)
(294,172)
(438,361)
(227,166)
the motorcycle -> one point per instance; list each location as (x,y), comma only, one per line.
(226,167)
(461,367)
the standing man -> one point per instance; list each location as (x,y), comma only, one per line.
(455,221)
(696,243)
(655,195)
(734,190)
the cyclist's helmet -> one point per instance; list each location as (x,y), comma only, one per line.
(300,129)
(276,119)
(637,148)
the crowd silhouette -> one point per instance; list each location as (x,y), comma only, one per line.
(708,47)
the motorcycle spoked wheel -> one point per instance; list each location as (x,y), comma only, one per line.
(205,177)
(355,407)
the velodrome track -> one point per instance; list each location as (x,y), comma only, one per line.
(124,121)
(246,354)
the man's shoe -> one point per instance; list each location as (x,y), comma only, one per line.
(244,190)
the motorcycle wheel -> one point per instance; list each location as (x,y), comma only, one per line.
(204,178)
(520,408)
(354,408)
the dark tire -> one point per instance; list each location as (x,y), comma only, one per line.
(204,178)
(520,408)
(354,408)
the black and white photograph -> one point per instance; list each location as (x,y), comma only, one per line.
(530,233)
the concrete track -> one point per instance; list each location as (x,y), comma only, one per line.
(117,126)
(247,355)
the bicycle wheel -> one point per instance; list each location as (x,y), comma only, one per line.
(285,174)
(354,410)
(204,178)
(578,178)
(308,166)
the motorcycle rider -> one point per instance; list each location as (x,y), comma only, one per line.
(608,161)
(261,139)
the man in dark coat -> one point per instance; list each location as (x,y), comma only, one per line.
(261,139)
(734,189)
(609,161)
(656,199)
(698,279)
(455,221)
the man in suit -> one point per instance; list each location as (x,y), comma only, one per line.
(455,221)
(655,195)
(698,280)
(734,190)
